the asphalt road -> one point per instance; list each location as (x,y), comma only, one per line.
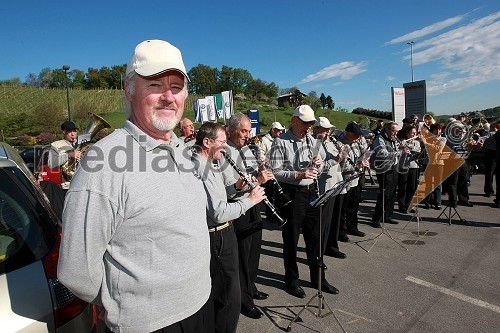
(444,278)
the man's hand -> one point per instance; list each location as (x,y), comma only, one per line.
(308,173)
(264,176)
(256,195)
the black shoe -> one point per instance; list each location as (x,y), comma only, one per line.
(427,206)
(437,207)
(253,312)
(403,210)
(339,255)
(260,296)
(466,203)
(496,205)
(376,225)
(453,204)
(344,238)
(391,221)
(356,232)
(326,287)
(296,291)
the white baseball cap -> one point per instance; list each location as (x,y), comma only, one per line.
(277,125)
(305,113)
(153,57)
(323,122)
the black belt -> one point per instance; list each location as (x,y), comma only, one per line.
(221,227)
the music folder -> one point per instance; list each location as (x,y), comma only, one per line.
(335,190)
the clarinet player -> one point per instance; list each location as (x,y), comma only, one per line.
(295,162)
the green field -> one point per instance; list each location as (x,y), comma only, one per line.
(30,104)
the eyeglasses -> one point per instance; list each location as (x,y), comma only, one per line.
(222,143)
(309,123)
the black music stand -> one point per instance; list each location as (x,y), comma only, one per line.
(335,190)
(384,231)
(450,214)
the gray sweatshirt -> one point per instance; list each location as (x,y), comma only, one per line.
(135,237)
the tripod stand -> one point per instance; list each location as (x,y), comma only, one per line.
(319,294)
(384,231)
(450,215)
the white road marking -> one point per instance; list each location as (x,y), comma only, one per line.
(455,294)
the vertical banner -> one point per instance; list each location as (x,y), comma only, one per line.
(197,114)
(219,106)
(211,108)
(398,104)
(255,120)
(415,98)
(227,98)
(202,109)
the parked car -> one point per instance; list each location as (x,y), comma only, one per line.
(31,297)
(31,156)
(45,173)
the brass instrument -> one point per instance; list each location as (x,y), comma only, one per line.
(428,119)
(247,180)
(371,122)
(95,125)
(473,139)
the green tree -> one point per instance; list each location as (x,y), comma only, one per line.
(116,76)
(58,79)
(329,103)
(77,79)
(322,99)
(241,80)
(45,77)
(94,79)
(203,80)
(31,80)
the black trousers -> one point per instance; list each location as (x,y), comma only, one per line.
(327,221)
(331,241)
(489,170)
(407,185)
(249,242)
(350,207)
(300,216)
(387,192)
(457,184)
(225,279)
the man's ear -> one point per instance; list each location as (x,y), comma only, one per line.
(127,94)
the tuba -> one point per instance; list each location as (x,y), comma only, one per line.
(95,125)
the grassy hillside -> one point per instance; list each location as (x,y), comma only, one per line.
(25,102)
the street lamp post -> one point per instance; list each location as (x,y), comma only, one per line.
(66,68)
(411,57)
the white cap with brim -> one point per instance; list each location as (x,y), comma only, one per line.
(278,126)
(305,113)
(323,122)
(153,57)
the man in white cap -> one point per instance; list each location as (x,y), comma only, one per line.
(134,224)
(295,159)
(266,141)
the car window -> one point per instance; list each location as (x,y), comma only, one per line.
(27,232)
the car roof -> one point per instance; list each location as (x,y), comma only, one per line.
(9,157)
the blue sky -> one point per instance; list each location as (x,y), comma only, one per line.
(354,51)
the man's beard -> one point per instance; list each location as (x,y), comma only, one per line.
(164,125)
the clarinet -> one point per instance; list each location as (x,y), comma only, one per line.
(339,147)
(316,184)
(247,180)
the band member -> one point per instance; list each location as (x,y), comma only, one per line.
(408,169)
(352,164)
(267,140)
(209,149)
(438,166)
(384,161)
(62,150)
(378,129)
(248,227)
(331,175)
(295,161)
(187,129)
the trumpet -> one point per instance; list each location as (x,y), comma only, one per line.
(281,221)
